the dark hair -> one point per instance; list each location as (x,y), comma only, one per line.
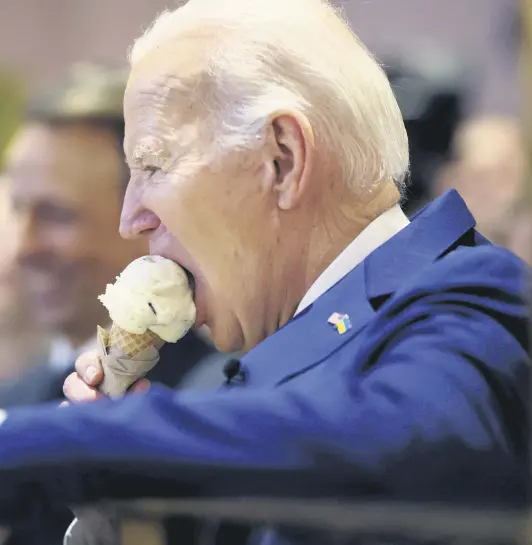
(113,124)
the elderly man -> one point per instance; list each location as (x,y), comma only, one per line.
(267,157)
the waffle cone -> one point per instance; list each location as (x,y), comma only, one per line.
(129,343)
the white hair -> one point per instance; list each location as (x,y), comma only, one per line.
(279,55)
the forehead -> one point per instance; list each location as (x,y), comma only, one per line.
(160,116)
(147,109)
(166,89)
(165,77)
(68,158)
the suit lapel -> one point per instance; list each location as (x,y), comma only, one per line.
(309,339)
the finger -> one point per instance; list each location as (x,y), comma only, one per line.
(76,391)
(142,385)
(89,368)
(64,404)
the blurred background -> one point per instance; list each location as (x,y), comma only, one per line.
(454,67)
(39,39)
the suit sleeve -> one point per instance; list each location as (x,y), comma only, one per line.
(438,413)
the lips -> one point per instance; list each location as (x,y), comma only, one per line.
(164,244)
(168,255)
(191,279)
(193,286)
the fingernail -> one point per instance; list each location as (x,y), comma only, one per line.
(91,373)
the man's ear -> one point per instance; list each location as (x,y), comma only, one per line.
(290,151)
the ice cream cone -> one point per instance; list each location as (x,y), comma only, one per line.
(129,343)
(125,357)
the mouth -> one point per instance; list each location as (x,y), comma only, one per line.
(193,285)
(190,276)
(191,279)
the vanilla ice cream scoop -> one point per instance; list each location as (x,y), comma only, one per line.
(152,293)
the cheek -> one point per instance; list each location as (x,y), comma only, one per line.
(195,214)
(215,224)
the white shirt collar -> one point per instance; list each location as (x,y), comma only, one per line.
(374,235)
(63,354)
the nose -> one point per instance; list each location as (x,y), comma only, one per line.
(136,220)
(28,241)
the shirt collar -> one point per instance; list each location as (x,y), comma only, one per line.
(374,235)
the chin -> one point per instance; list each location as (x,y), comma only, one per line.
(227,339)
(225,346)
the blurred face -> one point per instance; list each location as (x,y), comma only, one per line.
(222,221)
(66,191)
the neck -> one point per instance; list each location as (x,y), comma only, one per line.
(331,230)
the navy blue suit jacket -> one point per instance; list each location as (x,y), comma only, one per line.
(425,397)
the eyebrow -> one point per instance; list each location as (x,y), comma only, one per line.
(141,151)
(145,149)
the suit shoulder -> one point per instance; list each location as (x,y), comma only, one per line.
(476,268)
(484,280)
